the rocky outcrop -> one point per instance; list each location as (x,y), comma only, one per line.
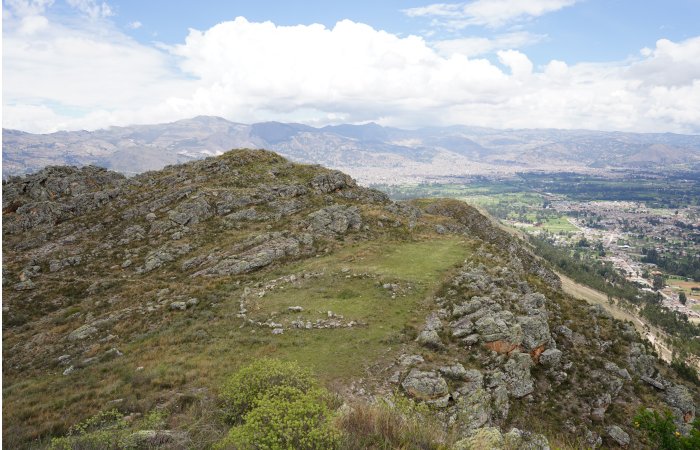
(335,220)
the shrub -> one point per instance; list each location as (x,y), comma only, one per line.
(662,432)
(285,418)
(252,383)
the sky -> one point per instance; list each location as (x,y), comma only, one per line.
(619,65)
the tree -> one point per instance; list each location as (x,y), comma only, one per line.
(658,282)
(682,298)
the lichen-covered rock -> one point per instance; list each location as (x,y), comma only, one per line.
(618,435)
(454,372)
(681,402)
(424,385)
(472,411)
(535,332)
(518,378)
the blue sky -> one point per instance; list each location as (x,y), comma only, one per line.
(591,30)
(605,64)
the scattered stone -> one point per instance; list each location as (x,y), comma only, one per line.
(69,370)
(618,435)
(192,302)
(295,309)
(82,332)
(278,331)
(181,306)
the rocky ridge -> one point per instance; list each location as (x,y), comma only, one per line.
(94,263)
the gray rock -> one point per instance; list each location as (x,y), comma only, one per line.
(653,382)
(331,182)
(69,370)
(592,439)
(192,302)
(462,327)
(410,360)
(424,385)
(535,331)
(296,309)
(82,332)
(518,378)
(468,307)
(473,411)
(270,250)
(191,212)
(178,306)
(680,399)
(454,372)
(551,358)
(618,435)
(430,338)
(277,331)
(335,220)
(565,331)
(523,440)
(471,339)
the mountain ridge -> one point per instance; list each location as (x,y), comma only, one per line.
(371,153)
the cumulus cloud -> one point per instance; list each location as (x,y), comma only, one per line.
(62,78)
(490,13)
(135,25)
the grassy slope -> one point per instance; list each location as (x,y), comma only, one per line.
(200,347)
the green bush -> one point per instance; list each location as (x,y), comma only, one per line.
(285,418)
(662,432)
(253,382)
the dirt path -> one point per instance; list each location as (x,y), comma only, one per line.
(650,333)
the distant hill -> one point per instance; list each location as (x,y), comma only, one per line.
(370,152)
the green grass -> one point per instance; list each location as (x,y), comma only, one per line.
(176,356)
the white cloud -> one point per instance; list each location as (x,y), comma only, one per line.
(24,8)
(135,25)
(62,78)
(92,8)
(490,13)
(475,46)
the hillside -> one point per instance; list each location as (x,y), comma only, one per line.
(144,294)
(370,152)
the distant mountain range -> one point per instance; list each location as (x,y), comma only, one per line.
(370,152)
